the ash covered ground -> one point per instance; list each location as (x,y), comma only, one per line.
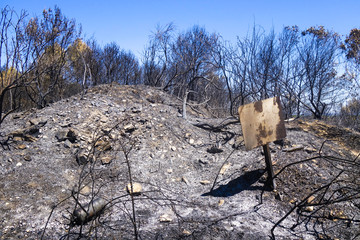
(197,180)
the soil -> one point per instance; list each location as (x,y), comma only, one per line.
(194,178)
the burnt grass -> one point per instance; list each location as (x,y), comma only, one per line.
(197,180)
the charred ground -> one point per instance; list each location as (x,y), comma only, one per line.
(197,180)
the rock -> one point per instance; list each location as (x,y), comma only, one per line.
(186,232)
(67,143)
(103,119)
(184,179)
(228,227)
(136,109)
(85,190)
(214,149)
(224,168)
(67,134)
(203,161)
(106,160)
(205,182)
(65,124)
(336,214)
(71,135)
(95,104)
(103,145)
(27,133)
(173,148)
(310,150)
(236,224)
(17,116)
(136,188)
(82,157)
(278,196)
(87,212)
(106,131)
(221,202)
(21,146)
(310,199)
(29,138)
(18,139)
(191,141)
(129,128)
(32,130)
(309,208)
(19,164)
(289,120)
(279,142)
(169,170)
(38,121)
(239,140)
(165,218)
(231,141)
(27,158)
(293,148)
(61,135)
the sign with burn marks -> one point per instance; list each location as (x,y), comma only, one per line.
(262,122)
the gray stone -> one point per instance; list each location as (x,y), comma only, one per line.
(67,134)
(134,188)
(203,161)
(71,135)
(67,143)
(129,128)
(61,135)
(136,109)
(38,121)
(214,149)
(106,160)
(82,157)
(165,218)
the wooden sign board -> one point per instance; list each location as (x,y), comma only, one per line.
(262,122)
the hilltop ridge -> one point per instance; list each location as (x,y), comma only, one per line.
(197,181)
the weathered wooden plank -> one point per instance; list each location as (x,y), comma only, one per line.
(262,122)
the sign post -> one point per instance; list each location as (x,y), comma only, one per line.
(269,168)
(262,122)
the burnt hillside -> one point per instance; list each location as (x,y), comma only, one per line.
(197,180)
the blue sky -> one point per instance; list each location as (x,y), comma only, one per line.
(129,23)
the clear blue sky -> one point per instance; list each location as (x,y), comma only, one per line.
(129,23)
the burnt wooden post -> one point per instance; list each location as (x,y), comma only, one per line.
(269,168)
(262,122)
